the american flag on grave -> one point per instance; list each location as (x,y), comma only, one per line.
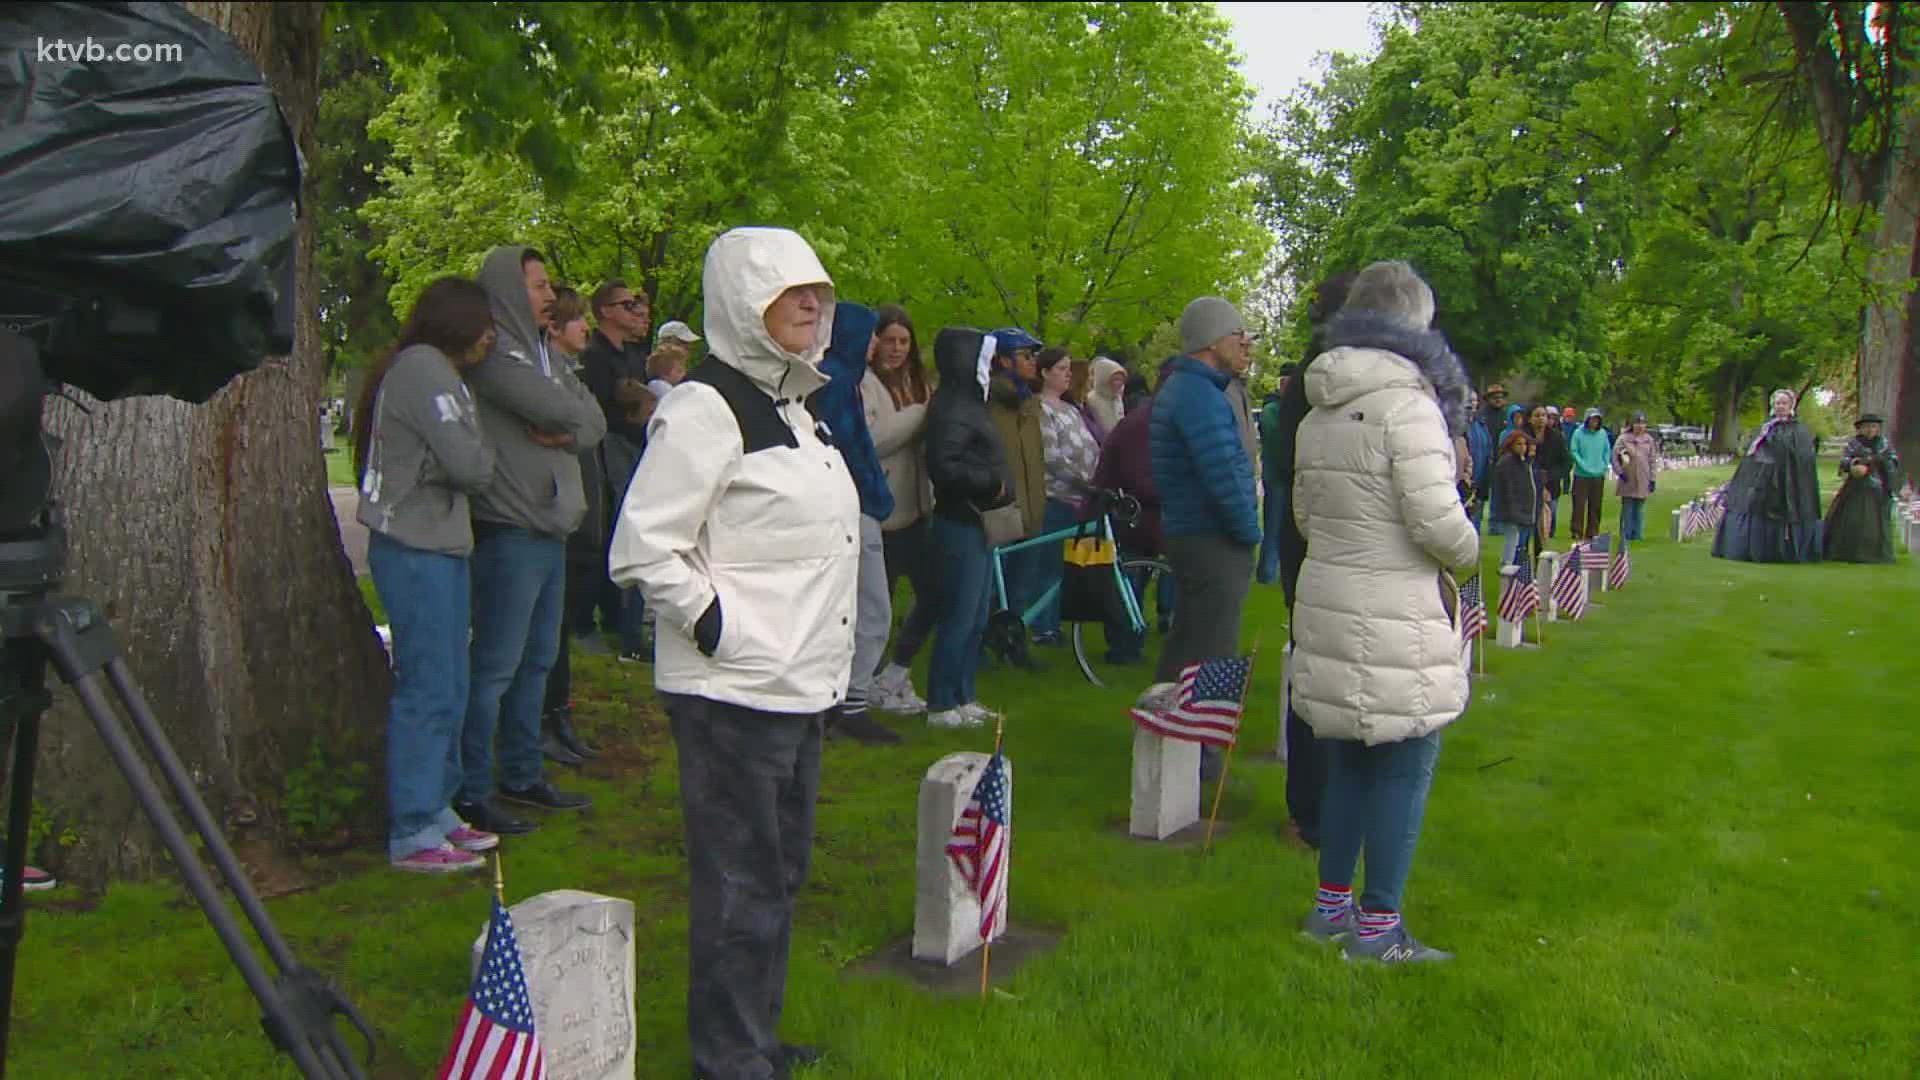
(981,846)
(1206,705)
(1621,569)
(1570,585)
(1473,609)
(1519,596)
(1594,553)
(495,1038)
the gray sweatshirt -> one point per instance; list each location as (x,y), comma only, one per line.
(520,386)
(425,455)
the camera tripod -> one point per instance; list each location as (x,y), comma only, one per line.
(42,628)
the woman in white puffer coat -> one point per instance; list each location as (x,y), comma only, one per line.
(1377,664)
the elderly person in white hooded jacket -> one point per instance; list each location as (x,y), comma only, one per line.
(742,528)
(1377,664)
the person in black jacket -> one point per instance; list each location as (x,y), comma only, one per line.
(968,468)
(1306,759)
(1514,495)
(1552,468)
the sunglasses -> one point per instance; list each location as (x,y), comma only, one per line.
(634,306)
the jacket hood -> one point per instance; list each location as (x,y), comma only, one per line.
(963,357)
(746,271)
(1102,372)
(506,286)
(1353,365)
(1511,410)
(852,333)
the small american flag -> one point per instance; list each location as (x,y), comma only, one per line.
(982,845)
(495,1037)
(1621,571)
(1207,706)
(1473,609)
(1519,596)
(1695,521)
(1570,584)
(1594,553)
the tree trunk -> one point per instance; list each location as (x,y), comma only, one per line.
(1726,412)
(206,534)
(1886,347)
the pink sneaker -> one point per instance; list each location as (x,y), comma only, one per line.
(468,838)
(439,860)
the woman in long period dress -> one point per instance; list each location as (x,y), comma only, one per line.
(1773,501)
(1859,526)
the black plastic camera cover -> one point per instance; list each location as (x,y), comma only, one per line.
(148,191)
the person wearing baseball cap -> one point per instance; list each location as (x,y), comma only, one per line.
(1015,411)
(675,330)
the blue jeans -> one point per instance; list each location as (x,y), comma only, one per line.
(1633,518)
(1375,798)
(966,572)
(518,596)
(1051,563)
(1519,541)
(1267,570)
(425,595)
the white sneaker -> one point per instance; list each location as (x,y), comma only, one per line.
(954,718)
(891,678)
(981,713)
(900,700)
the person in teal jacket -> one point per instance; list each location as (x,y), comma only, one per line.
(1592,450)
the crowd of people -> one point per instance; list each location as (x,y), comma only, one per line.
(537,477)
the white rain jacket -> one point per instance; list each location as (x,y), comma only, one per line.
(772,533)
(1377,654)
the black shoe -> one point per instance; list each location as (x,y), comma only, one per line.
(796,1056)
(484,817)
(562,728)
(545,796)
(861,728)
(556,751)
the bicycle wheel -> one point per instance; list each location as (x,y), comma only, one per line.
(1143,573)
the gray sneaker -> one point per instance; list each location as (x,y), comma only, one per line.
(1396,946)
(1323,930)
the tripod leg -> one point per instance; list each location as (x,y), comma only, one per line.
(13,911)
(175,773)
(199,882)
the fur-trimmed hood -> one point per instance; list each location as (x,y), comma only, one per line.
(1426,350)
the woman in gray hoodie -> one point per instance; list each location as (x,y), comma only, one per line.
(419,453)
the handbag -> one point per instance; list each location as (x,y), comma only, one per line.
(1003,524)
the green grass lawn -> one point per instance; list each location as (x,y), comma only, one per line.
(1678,841)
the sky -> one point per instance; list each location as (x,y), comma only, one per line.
(1280,41)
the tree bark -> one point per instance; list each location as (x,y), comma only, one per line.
(1726,411)
(1886,343)
(206,534)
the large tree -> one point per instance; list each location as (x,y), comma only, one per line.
(1077,168)
(1856,63)
(1460,147)
(207,535)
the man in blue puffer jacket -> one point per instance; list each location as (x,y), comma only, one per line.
(1208,512)
(837,404)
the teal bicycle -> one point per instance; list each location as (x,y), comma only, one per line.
(1119,609)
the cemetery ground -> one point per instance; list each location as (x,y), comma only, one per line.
(1676,841)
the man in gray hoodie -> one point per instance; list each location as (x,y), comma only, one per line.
(537,416)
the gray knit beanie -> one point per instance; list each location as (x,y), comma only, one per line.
(1206,321)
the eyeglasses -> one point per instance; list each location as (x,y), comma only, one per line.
(634,306)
